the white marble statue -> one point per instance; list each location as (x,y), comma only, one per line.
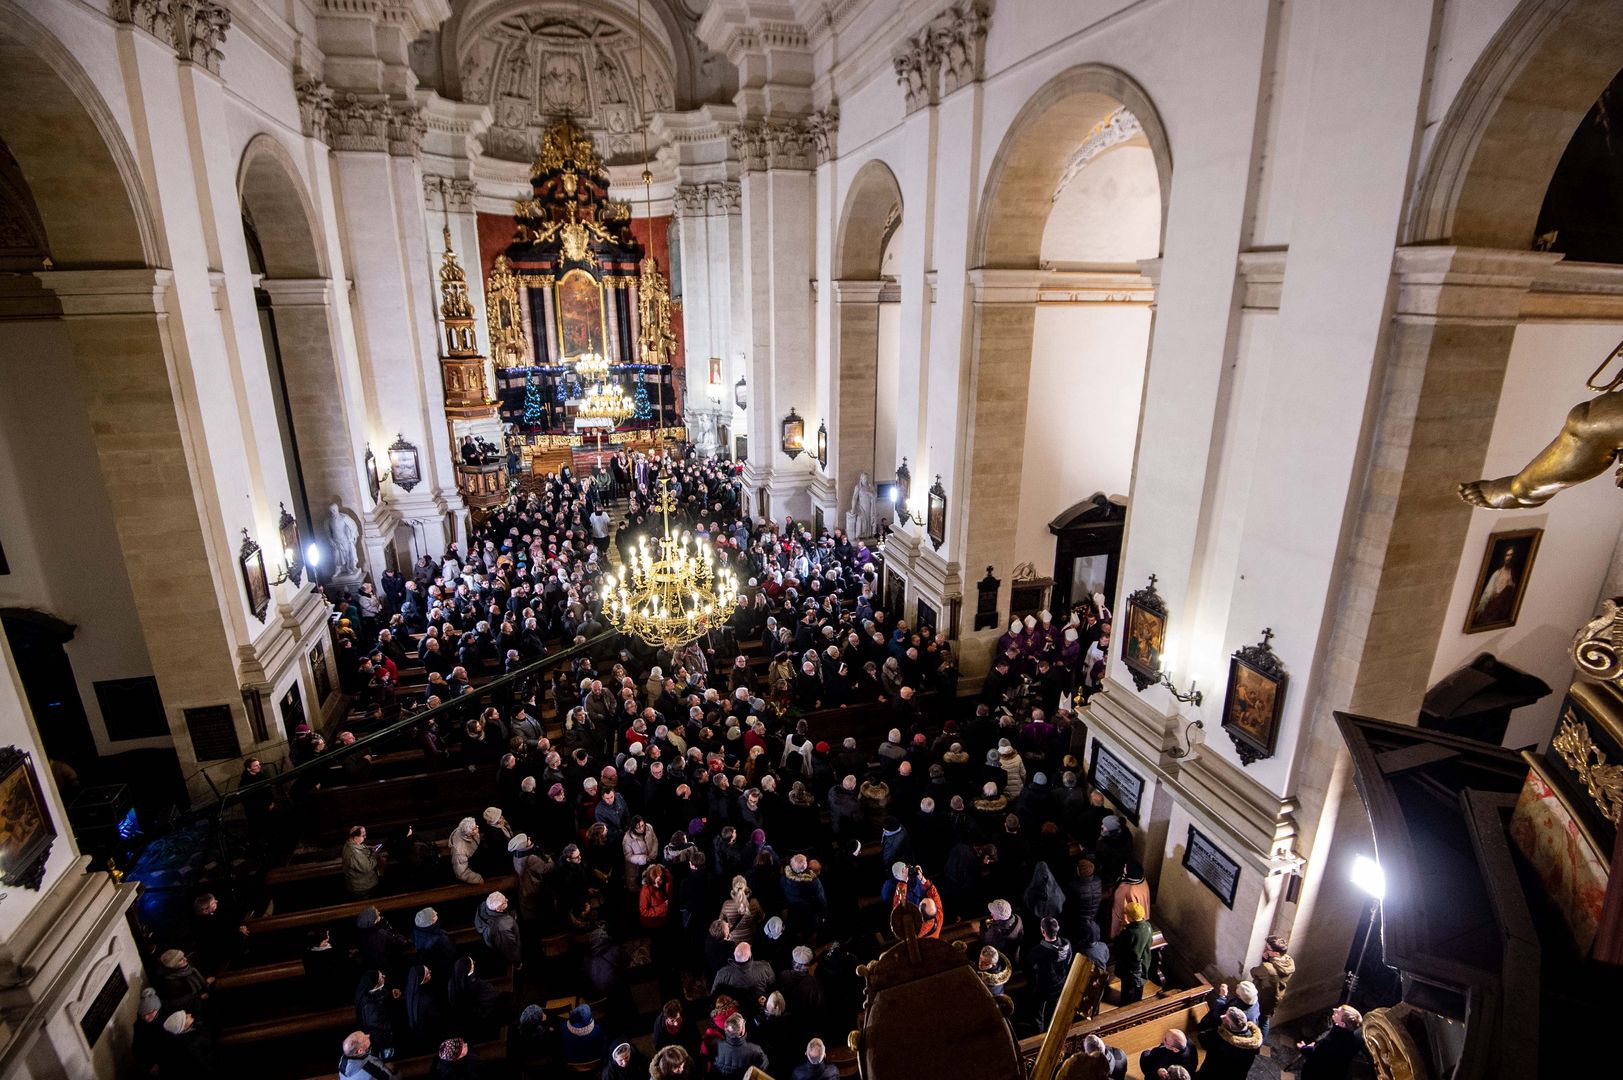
(343,534)
(862,518)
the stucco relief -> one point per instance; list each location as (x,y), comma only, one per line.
(533,68)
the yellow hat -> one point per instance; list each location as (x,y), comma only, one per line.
(1133,912)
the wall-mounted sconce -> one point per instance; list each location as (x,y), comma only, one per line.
(794,435)
(822,444)
(374,479)
(905,515)
(904,483)
(292,558)
(1193,697)
(741,393)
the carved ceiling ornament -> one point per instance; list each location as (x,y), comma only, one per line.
(533,67)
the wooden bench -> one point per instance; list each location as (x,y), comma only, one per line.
(423,1064)
(346,912)
(307,1023)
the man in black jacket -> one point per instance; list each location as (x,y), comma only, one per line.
(1048,962)
(1175,1049)
(1330,1056)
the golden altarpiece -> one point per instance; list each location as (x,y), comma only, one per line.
(576,282)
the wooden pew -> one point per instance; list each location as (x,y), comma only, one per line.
(1135,1028)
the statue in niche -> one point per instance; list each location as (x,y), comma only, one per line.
(1589,442)
(611,86)
(516,72)
(344,536)
(861,519)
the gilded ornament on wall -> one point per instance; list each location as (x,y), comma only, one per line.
(1602,779)
(654,310)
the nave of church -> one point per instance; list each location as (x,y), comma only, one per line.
(810,538)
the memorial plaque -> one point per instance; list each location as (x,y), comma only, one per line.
(1211,866)
(101,1010)
(214,736)
(1121,785)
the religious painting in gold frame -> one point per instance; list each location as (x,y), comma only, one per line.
(582,326)
(1501,583)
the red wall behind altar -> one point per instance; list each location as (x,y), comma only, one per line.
(496,232)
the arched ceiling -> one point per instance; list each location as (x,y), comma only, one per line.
(532,61)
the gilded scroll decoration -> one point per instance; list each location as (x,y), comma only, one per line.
(507,340)
(1603,780)
(658,343)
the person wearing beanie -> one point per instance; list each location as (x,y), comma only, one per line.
(1130,952)
(434,946)
(1271,977)
(187,1052)
(182,986)
(799,986)
(581,1039)
(1231,1046)
(531,868)
(147,1038)
(625,1063)
(1131,889)
(1243,998)
(498,929)
(1003,930)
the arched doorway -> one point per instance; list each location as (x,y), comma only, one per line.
(1075,201)
(867,333)
(294,301)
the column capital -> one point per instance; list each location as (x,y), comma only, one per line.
(1008,286)
(857,292)
(298,292)
(109,292)
(1442,282)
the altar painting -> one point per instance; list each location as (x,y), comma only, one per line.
(581,326)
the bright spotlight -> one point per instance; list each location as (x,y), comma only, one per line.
(312,556)
(1368,876)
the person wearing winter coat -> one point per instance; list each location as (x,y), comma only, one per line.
(424,1018)
(735,1054)
(1175,1050)
(360,864)
(360,1063)
(641,848)
(464,847)
(499,930)
(1130,890)
(1003,929)
(473,1001)
(184,988)
(1109,1061)
(490,857)
(1271,977)
(815,1066)
(377,1005)
(654,899)
(1047,965)
(187,1052)
(531,866)
(581,1039)
(746,979)
(1331,1055)
(434,946)
(994,970)
(380,946)
(803,893)
(1230,1047)
(1043,898)
(1131,953)
(1243,997)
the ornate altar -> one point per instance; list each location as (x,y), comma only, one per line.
(576,281)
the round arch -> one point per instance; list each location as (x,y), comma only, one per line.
(1503,135)
(271,192)
(83,177)
(873,207)
(869,218)
(1034,151)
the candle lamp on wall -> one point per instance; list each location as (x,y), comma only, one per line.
(904,483)
(822,444)
(374,479)
(741,393)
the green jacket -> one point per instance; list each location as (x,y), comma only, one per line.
(1131,950)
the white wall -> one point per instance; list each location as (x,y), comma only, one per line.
(58,529)
(1110,212)
(1087,372)
(887,454)
(1548,365)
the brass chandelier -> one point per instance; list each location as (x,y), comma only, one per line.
(673,595)
(592,367)
(606,401)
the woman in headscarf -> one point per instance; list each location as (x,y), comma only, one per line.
(1043,898)
(423,1015)
(473,1001)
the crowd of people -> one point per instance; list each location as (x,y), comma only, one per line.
(688,821)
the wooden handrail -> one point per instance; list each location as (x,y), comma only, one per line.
(1128,1016)
(399,902)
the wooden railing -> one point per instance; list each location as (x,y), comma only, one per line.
(1172,1008)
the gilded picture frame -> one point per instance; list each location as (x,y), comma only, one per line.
(1254,700)
(1501,582)
(26,829)
(1144,635)
(255,583)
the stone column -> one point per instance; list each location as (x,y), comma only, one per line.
(855,375)
(182,579)
(380,188)
(1449,345)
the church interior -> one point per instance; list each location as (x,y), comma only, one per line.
(796,539)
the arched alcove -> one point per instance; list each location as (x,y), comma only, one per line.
(1061,319)
(866,319)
